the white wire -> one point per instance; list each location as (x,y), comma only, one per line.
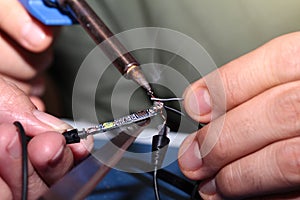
(155,185)
(167,99)
(174,110)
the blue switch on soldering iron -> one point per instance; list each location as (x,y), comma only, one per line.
(48,15)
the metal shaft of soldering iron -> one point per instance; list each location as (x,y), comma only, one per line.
(95,27)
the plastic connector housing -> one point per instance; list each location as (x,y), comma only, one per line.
(49,16)
(71,136)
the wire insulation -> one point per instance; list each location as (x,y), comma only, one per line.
(155,185)
(160,144)
(24,159)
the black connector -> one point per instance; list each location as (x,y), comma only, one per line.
(160,144)
(71,136)
(159,147)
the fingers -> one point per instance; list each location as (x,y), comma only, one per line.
(15,59)
(18,24)
(33,87)
(50,156)
(25,45)
(17,106)
(49,160)
(10,164)
(270,65)
(5,191)
(243,149)
(38,103)
(272,170)
(267,118)
(82,149)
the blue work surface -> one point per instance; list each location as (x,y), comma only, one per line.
(136,186)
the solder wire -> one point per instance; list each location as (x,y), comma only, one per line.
(169,99)
(166,99)
(174,110)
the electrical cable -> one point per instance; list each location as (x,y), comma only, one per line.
(24,159)
(155,185)
(160,144)
(179,182)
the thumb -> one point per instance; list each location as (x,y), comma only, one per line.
(17,106)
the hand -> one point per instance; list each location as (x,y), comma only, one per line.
(25,54)
(25,48)
(49,157)
(254,131)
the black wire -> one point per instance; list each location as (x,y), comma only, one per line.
(160,144)
(24,159)
(195,194)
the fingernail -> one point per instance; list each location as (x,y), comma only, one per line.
(33,35)
(191,159)
(52,121)
(14,147)
(208,189)
(199,101)
(57,157)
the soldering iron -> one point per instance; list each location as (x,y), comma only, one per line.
(68,12)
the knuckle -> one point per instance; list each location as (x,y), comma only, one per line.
(220,152)
(286,50)
(13,95)
(287,47)
(232,87)
(227,180)
(288,161)
(284,112)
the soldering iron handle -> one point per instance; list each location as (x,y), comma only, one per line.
(99,32)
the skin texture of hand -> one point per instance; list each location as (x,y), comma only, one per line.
(26,52)
(25,47)
(257,151)
(49,157)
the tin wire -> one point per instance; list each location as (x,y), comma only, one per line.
(174,110)
(166,99)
